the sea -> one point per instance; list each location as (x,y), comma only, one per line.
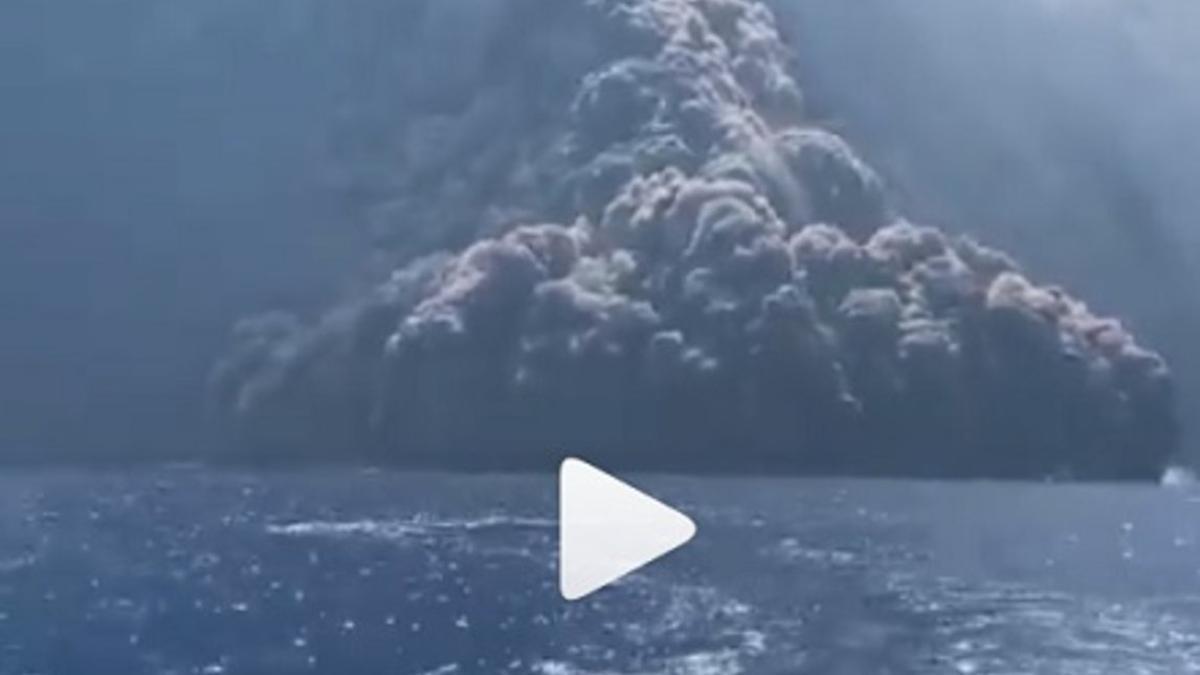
(201,571)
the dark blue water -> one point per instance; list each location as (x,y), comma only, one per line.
(348,572)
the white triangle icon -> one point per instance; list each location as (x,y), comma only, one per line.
(607,529)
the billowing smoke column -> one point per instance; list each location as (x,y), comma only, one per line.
(661,265)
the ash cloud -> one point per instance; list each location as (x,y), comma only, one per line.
(608,227)
(1065,131)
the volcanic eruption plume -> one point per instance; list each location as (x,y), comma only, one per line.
(608,227)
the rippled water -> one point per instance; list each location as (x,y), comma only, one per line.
(347,572)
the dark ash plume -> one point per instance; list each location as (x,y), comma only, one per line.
(663,266)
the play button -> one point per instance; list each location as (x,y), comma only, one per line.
(608,528)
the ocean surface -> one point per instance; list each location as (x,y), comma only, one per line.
(350,572)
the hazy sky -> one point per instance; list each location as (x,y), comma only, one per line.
(155,183)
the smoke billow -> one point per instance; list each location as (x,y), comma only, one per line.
(1066,132)
(609,229)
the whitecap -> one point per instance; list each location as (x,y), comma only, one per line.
(420,525)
